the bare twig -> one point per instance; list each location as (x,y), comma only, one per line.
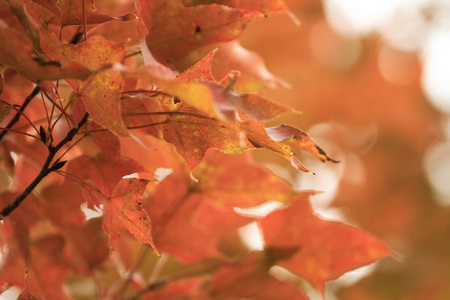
(46,169)
(16,118)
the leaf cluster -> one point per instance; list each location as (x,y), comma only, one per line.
(117,100)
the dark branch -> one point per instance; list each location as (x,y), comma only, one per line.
(47,168)
(16,118)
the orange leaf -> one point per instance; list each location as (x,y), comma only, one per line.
(100,174)
(234,181)
(124,211)
(192,136)
(327,249)
(19,54)
(263,6)
(71,12)
(256,107)
(190,27)
(101,92)
(297,138)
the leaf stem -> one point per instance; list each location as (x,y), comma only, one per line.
(16,118)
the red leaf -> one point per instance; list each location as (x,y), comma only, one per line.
(327,249)
(173,207)
(101,173)
(124,211)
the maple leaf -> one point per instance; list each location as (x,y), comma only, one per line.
(103,171)
(190,27)
(228,181)
(297,138)
(86,247)
(263,6)
(19,54)
(101,92)
(327,249)
(79,12)
(124,211)
(67,211)
(254,106)
(172,206)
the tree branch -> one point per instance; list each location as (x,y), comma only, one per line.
(47,168)
(16,118)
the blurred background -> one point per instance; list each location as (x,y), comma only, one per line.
(372,79)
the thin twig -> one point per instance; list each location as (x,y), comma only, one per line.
(46,169)
(18,131)
(16,118)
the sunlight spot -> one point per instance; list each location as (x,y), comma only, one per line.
(327,183)
(161,173)
(435,79)
(260,210)
(352,17)
(133,175)
(437,168)
(89,213)
(11,293)
(251,236)
(354,276)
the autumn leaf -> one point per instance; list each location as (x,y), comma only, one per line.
(326,249)
(173,206)
(19,54)
(100,93)
(256,107)
(297,138)
(99,175)
(80,12)
(191,27)
(193,136)
(124,211)
(263,6)
(227,181)
(86,247)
